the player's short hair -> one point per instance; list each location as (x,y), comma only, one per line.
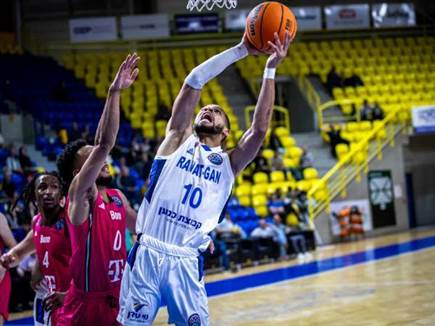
(65,160)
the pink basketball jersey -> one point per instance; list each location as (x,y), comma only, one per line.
(53,249)
(98,246)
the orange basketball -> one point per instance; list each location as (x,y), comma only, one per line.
(266,19)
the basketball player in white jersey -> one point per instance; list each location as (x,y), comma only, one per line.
(190,183)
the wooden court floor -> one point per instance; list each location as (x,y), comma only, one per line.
(398,290)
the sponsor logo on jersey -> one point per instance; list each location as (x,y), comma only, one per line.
(194,320)
(191,151)
(199,170)
(215,158)
(60,224)
(44,239)
(117,201)
(136,315)
(102,206)
(180,218)
(115,216)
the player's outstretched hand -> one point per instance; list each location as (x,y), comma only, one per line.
(127,73)
(279,50)
(9,260)
(54,300)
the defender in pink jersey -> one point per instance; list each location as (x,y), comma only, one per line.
(97,217)
(50,237)
(6,240)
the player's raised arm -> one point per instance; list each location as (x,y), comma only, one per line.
(180,124)
(107,131)
(252,139)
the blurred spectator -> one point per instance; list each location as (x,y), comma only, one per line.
(306,159)
(274,142)
(229,230)
(163,113)
(298,243)
(277,163)
(277,202)
(75,132)
(354,80)
(260,163)
(143,166)
(12,161)
(378,113)
(335,138)
(333,79)
(366,111)
(280,235)
(27,165)
(263,230)
(127,184)
(9,187)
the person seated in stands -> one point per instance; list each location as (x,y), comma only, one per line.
(307,159)
(335,138)
(277,163)
(353,80)
(378,113)
(127,184)
(274,142)
(333,79)
(277,202)
(260,163)
(263,230)
(27,165)
(298,243)
(12,161)
(280,235)
(226,229)
(366,111)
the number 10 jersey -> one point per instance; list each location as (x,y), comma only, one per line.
(186,195)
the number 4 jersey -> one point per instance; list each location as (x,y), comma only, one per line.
(186,195)
(53,250)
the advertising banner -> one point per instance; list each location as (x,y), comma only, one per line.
(144,26)
(308,18)
(347,16)
(197,23)
(235,20)
(381,196)
(345,215)
(92,29)
(423,118)
(393,14)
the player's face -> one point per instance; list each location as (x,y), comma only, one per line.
(48,192)
(211,120)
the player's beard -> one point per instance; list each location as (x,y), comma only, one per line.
(208,130)
(105,181)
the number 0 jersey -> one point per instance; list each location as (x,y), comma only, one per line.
(187,195)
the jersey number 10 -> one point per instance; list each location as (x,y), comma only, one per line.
(193,195)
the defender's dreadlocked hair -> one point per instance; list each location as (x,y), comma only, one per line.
(65,161)
(28,193)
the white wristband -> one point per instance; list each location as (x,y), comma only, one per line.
(269,73)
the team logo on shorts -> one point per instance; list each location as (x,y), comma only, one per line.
(136,315)
(117,201)
(215,158)
(194,320)
(138,306)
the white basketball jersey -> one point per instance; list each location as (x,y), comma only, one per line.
(187,194)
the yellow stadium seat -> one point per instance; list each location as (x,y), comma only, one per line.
(303,185)
(281,132)
(245,200)
(290,163)
(292,220)
(243,190)
(259,200)
(287,141)
(310,173)
(294,152)
(259,189)
(341,150)
(260,177)
(261,210)
(268,154)
(277,176)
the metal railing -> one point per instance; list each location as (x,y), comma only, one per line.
(349,168)
(280,116)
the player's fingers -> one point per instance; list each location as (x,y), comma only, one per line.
(277,40)
(135,61)
(135,73)
(273,46)
(286,40)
